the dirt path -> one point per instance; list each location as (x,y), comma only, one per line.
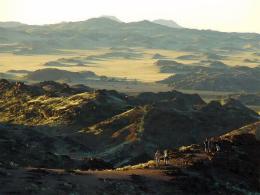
(153,174)
(58,181)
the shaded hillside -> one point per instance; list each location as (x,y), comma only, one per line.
(54,74)
(215,77)
(23,146)
(64,76)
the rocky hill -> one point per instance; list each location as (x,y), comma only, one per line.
(158,126)
(112,126)
(53,74)
(215,77)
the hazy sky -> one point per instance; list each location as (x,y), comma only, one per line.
(223,15)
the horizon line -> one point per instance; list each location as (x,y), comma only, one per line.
(121,21)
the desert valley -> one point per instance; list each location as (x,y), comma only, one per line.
(85,105)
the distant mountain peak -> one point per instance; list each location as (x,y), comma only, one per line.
(168,23)
(111,18)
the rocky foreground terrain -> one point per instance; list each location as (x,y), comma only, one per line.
(52,134)
(235,169)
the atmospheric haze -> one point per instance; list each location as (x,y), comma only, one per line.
(222,15)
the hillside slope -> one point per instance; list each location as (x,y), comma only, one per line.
(232,170)
(215,77)
(112,126)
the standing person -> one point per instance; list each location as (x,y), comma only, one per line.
(157,157)
(166,157)
(210,145)
(217,148)
(206,145)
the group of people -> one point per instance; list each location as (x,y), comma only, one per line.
(158,157)
(210,146)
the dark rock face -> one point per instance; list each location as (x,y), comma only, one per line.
(24,146)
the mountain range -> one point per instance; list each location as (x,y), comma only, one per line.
(169,23)
(107,32)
